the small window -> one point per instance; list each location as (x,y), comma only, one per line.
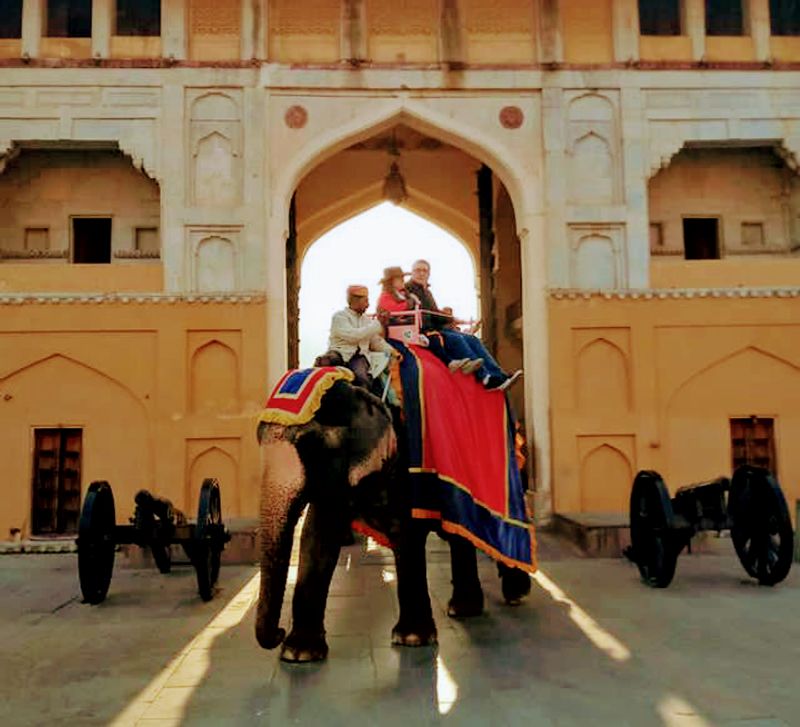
(69,18)
(10,18)
(660,17)
(701,238)
(138,17)
(784,17)
(91,239)
(752,235)
(147,240)
(37,238)
(753,442)
(724,17)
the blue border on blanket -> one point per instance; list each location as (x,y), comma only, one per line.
(429,492)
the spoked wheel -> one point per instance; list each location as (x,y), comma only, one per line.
(96,542)
(653,545)
(761,529)
(209,539)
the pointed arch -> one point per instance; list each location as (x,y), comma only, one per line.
(603,377)
(215,106)
(594,262)
(606,474)
(214,379)
(76,362)
(591,107)
(213,461)
(423,206)
(722,360)
(418,116)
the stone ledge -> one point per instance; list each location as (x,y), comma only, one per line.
(597,535)
(38,546)
(606,535)
(130,298)
(666,293)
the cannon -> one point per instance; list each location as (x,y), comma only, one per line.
(155,524)
(751,505)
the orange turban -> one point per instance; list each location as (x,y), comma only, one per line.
(359,290)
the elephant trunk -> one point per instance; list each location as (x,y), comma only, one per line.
(281,504)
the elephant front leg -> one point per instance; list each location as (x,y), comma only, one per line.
(467,598)
(415,626)
(319,552)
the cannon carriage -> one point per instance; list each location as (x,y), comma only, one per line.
(156,525)
(751,505)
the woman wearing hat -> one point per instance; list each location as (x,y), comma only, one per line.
(394,298)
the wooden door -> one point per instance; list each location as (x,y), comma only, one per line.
(753,442)
(56,481)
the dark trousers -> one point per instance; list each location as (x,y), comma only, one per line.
(449,345)
(358,364)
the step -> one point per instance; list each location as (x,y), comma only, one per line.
(596,534)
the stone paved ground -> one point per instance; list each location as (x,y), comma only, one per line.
(591,646)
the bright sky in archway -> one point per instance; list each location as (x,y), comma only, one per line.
(357,251)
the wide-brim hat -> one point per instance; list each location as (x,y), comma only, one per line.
(393,272)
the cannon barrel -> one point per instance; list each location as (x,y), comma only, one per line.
(751,505)
(161,507)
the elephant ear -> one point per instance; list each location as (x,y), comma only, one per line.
(339,405)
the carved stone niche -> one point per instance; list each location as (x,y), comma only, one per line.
(597,256)
(593,151)
(215,139)
(214,258)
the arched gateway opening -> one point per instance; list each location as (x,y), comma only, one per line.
(357,251)
(441,183)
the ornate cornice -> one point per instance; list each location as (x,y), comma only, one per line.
(140,151)
(672,293)
(244,298)
(8,151)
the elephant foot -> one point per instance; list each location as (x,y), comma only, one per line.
(465,604)
(300,648)
(403,635)
(269,638)
(516,585)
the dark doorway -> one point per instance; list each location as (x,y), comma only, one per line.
(753,442)
(69,18)
(701,238)
(56,481)
(91,239)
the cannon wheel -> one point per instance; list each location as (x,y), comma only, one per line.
(761,528)
(207,545)
(96,542)
(652,540)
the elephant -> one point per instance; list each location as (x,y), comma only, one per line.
(348,461)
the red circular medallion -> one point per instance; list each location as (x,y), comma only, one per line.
(296,117)
(511,117)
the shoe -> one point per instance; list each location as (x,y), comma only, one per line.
(492,382)
(456,364)
(511,380)
(472,365)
